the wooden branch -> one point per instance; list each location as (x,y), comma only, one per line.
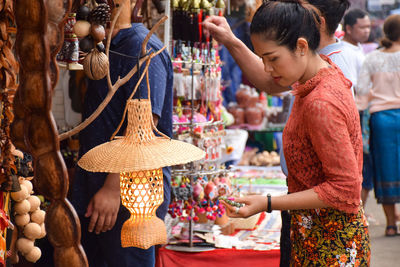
(144,44)
(112,88)
(103,104)
(114,21)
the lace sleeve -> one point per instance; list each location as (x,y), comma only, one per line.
(331,141)
(364,82)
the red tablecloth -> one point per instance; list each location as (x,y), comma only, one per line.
(217,258)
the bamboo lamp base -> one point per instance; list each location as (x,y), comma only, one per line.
(144,233)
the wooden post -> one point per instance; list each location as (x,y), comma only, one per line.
(40,26)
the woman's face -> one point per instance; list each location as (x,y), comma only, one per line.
(286,67)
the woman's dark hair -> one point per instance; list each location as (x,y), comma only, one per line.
(391,28)
(332,11)
(352,16)
(286,21)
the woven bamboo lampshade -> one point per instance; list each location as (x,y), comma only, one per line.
(142,193)
(140,148)
(139,157)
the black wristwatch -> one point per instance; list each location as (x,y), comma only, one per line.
(269,210)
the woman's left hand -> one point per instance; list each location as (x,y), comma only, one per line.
(253,205)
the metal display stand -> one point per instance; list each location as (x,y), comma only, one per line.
(192,172)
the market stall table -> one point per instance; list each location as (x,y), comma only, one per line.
(218,257)
(262,247)
(258,247)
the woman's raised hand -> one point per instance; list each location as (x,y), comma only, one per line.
(219,29)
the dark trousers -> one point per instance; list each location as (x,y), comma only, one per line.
(286,245)
(104,249)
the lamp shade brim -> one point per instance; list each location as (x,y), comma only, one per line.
(123,156)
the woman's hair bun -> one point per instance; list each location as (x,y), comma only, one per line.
(385,42)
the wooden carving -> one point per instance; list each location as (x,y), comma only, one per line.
(8,84)
(39,37)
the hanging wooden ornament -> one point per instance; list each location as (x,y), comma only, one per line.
(95,65)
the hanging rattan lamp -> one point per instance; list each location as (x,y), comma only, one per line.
(139,157)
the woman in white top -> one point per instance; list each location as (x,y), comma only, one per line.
(380,78)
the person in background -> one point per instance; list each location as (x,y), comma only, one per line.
(357,28)
(322,141)
(231,73)
(380,80)
(96,196)
(374,36)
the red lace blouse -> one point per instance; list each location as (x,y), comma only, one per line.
(322,140)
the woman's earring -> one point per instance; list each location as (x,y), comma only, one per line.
(302,53)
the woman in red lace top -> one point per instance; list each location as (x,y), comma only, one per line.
(322,141)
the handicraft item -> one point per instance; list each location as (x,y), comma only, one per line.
(139,157)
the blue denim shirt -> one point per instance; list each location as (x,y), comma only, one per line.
(128,43)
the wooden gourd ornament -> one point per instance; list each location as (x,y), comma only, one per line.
(34,203)
(32,230)
(82,28)
(24,245)
(98,32)
(22,207)
(38,217)
(90,29)
(28,185)
(33,255)
(96,65)
(20,195)
(22,220)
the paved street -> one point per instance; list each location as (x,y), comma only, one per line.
(385,250)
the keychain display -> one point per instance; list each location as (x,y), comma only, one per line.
(197,90)
(201,200)
(188,16)
(197,115)
(197,73)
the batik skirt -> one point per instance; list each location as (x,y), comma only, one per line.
(329,237)
(385,148)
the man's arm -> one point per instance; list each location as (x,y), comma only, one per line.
(250,64)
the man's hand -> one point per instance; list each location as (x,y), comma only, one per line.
(103,207)
(220,30)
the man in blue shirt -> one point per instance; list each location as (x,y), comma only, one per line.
(96,196)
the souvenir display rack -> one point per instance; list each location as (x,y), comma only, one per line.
(198,119)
